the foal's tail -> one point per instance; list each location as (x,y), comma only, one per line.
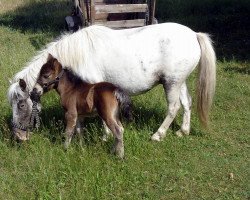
(125,103)
(207,77)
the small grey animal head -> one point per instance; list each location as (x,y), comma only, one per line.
(21,103)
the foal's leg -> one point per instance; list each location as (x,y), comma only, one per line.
(107,131)
(119,145)
(108,109)
(117,130)
(173,97)
(71,118)
(79,123)
(186,102)
(79,129)
(110,116)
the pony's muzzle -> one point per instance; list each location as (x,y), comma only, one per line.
(20,135)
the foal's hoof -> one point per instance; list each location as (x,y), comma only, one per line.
(118,152)
(66,145)
(105,138)
(156,137)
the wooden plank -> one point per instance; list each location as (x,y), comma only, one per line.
(117,16)
(111,1)
(122,23)
(101,16)
(92,11)
(152,11)
(83,15)
(120,8)
(100,1)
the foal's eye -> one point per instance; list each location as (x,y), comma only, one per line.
(45,76)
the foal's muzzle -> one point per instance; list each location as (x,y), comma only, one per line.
(38,89)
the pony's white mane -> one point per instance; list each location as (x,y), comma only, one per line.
(71,50)
(15,92)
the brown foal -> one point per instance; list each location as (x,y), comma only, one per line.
(80,99)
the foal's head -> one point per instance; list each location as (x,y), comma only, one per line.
(49,74)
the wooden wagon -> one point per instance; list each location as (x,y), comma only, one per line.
(111,13)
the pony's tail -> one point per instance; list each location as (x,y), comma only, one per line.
(125,103)
(207,78)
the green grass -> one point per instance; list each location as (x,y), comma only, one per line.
(194,167)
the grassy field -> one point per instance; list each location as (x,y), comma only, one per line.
(209,164)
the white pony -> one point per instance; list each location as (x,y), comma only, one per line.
(136,60)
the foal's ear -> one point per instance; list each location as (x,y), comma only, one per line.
(50,57)
(90,98)
(57,65)
(22,84)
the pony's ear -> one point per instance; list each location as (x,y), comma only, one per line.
(22,84)
(10,81)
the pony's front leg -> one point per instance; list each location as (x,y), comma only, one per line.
(71,118)
(173,95)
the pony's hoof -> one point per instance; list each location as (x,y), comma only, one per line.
(156,137)
(179,133)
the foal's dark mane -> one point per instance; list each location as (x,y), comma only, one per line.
(72,77)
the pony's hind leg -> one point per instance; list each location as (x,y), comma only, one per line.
(173,97)
(186,102)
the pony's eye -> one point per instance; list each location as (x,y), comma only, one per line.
(21,105)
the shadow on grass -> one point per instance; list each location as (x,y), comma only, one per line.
(38,16)
(39,41)
(240,70)
(53,125)
(53,122)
